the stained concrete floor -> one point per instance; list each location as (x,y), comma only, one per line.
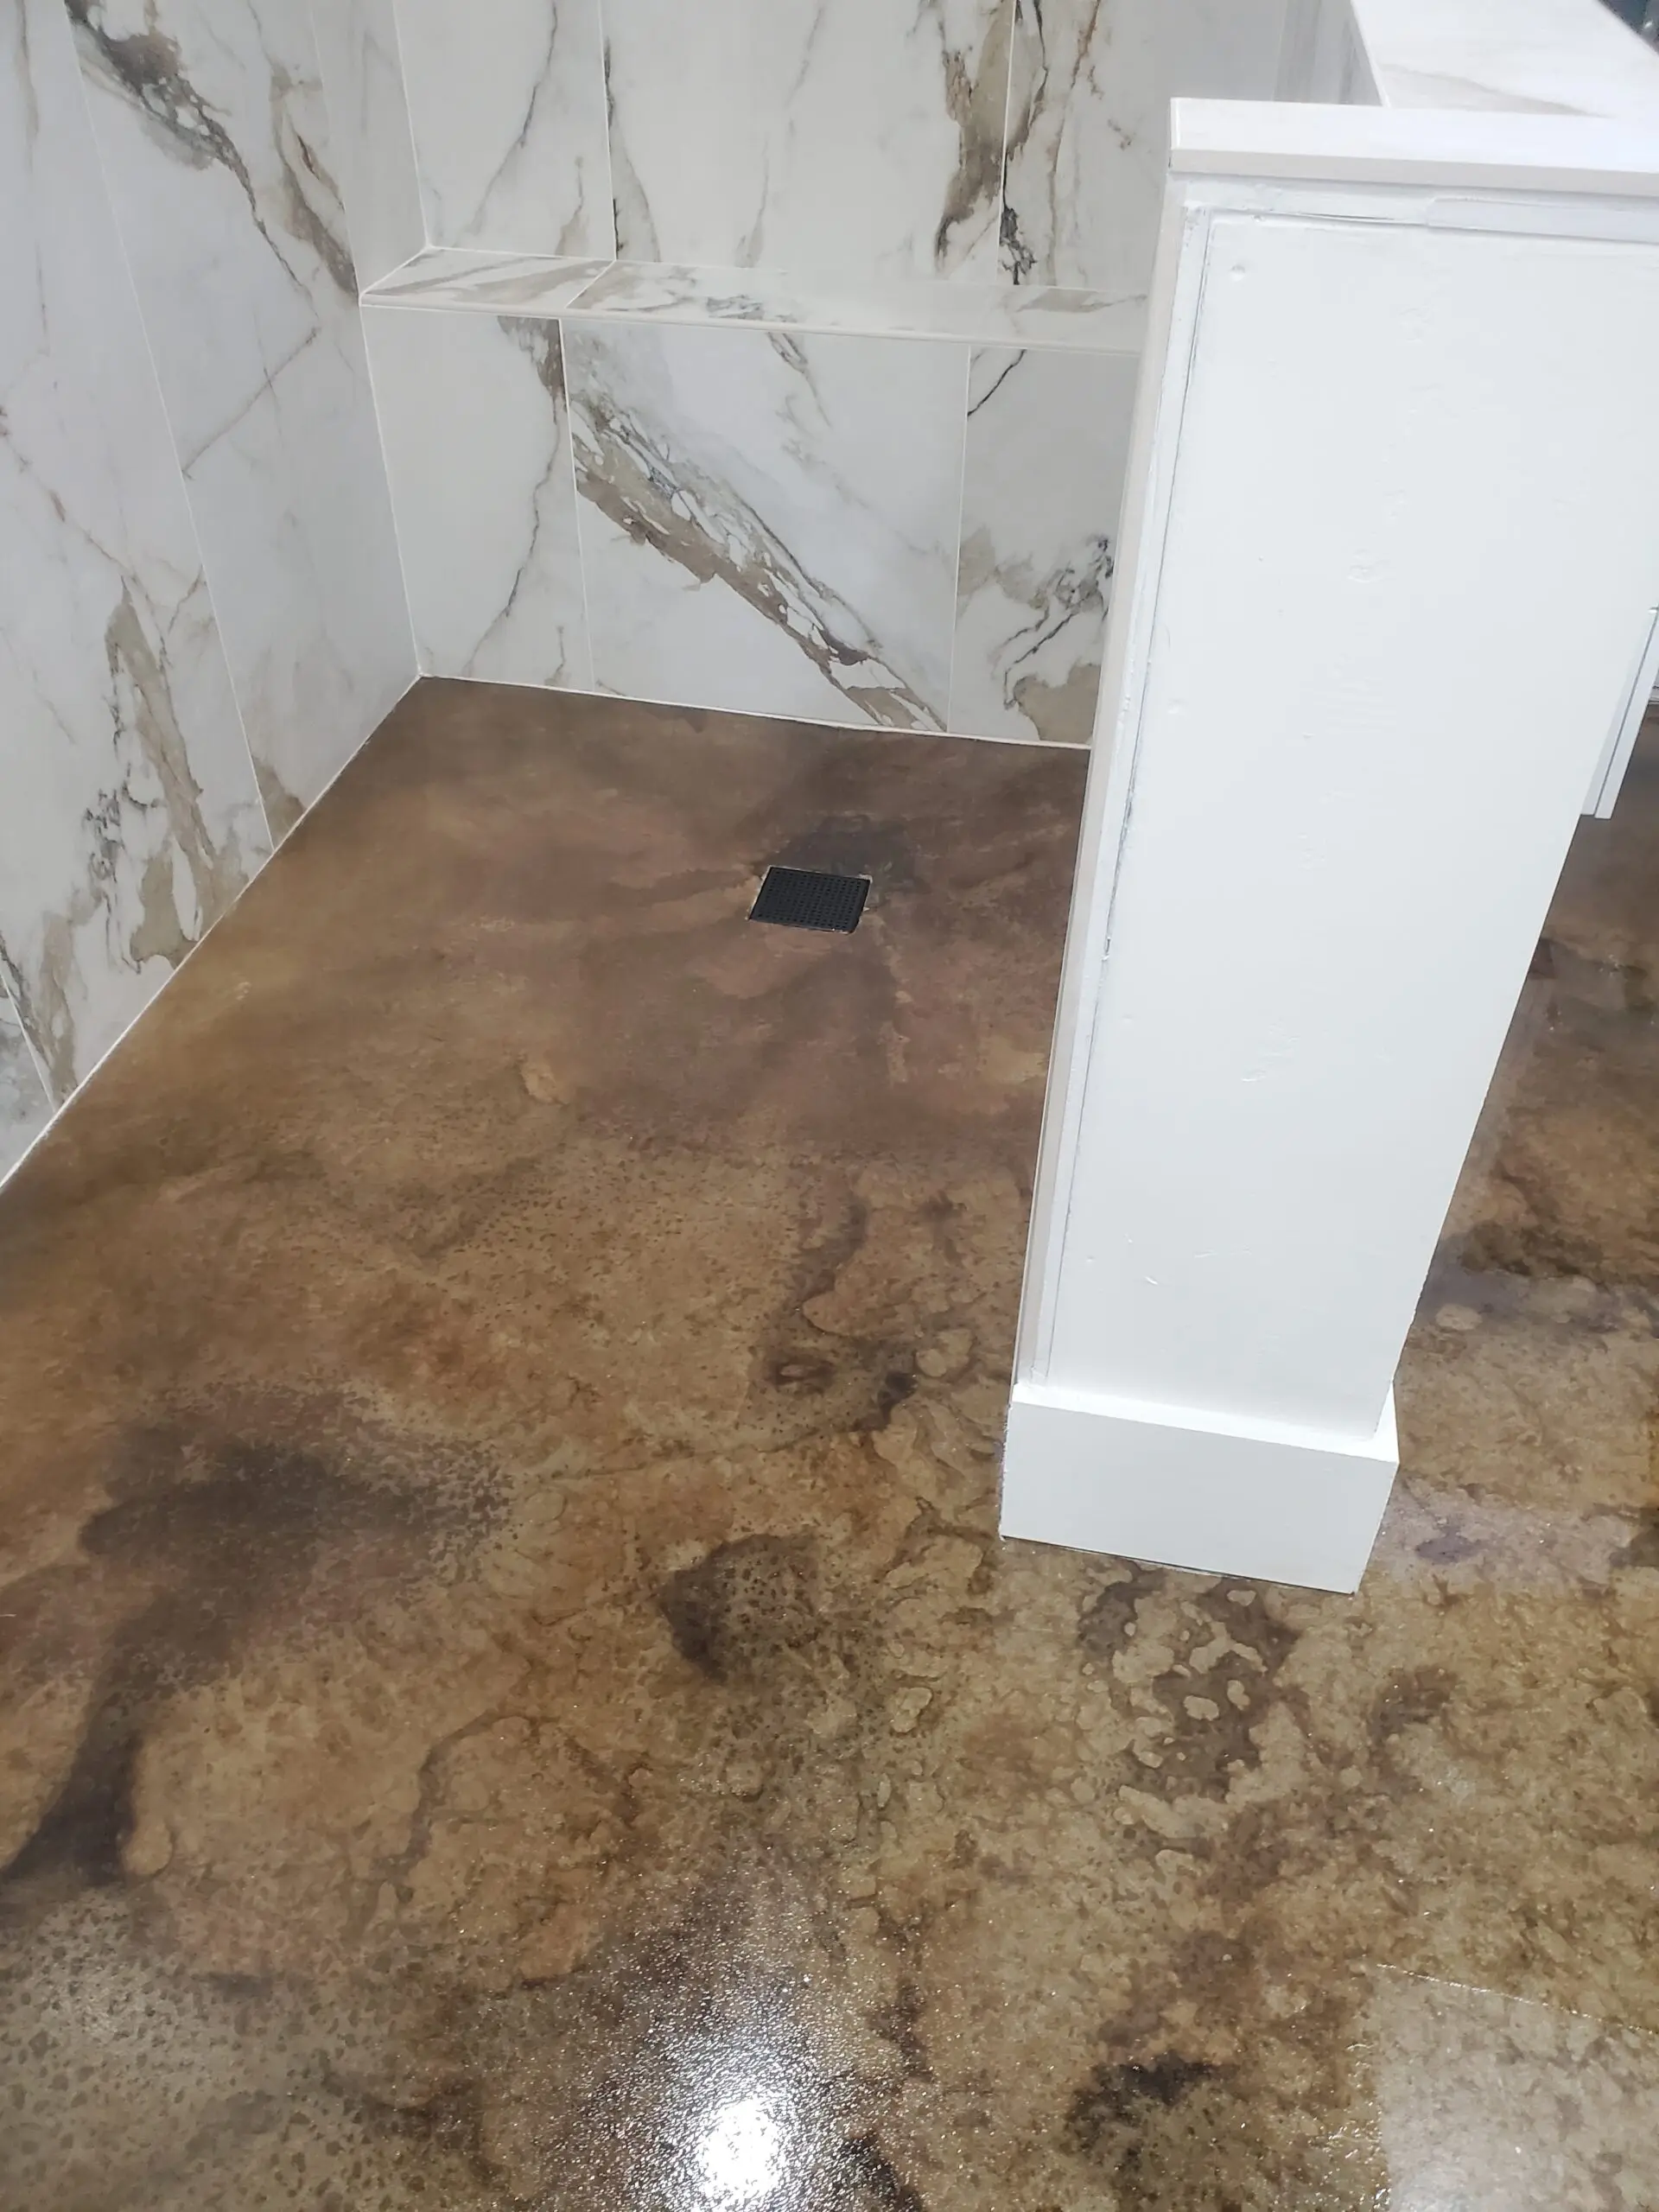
(511,1694)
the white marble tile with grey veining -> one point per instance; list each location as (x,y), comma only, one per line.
(1521,57)
(506,99)
(1047,451)
(368,129)
(1030,314)
(1034,315)
(1323,59)
(25,1109)
(297,517)
(130,818)
(809,135)
(486,511)
(210,117)
(495,284)
(213,131)
(769,521)
(1088,128)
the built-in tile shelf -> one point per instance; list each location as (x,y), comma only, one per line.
(888,503)
(634,449)
(767,299)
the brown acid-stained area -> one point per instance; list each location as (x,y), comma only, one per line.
(512,1696)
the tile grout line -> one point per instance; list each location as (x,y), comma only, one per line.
(1007,113)
(605,109)
(904,731)
(961,508)
(396,528)
(576,505)
(427,240)
(374,397)
(35,1061)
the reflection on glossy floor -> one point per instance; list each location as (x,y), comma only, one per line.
(513,1695)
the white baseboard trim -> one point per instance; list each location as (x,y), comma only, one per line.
(1185,1489)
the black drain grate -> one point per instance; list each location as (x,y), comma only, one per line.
(806,899)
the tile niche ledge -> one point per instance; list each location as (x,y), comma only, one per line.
(877,505)
(450,277)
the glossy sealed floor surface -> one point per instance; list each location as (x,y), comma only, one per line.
(511,1693)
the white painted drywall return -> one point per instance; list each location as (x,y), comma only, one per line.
(1390,565)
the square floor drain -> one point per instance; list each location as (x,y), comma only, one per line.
(806,899)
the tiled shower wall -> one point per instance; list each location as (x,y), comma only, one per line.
(748,467)
(203,615)
(885,530)
(986,140)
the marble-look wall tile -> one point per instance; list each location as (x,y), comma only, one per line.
(809,134)
(1048,438)
(494,284)
(369,131)
(507,102)
(914,307)
(769,522)
(129,814)
(1087,133)
(1324,57)
(293,501)
(477,433)
(25,1109)
(210,117)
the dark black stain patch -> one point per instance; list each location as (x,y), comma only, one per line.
(1643,1550)
(892,1389)
(851,1390)
(229,1537)
(1450,1548)
(1540,1251)
(83,1830)
(1621,986)
(809,1374)
(1172,2132)
(1167,2133)
(1120,2096)
(740,1610)
(1213,1705)
(1108,1622)
(864,2166)
(840,1382)
(1412,1701)
(900,2024)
